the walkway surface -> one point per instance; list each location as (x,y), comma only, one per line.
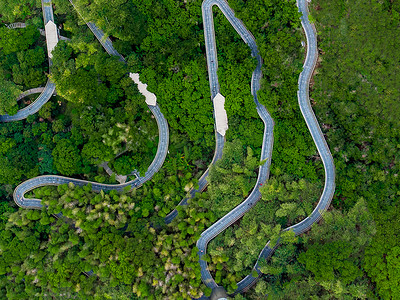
(312,124)
(267,145)
(27,93)
(212,62)
(50,87)
(46,180)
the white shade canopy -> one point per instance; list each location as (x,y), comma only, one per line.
(151,99)
(51,37)
(221,119)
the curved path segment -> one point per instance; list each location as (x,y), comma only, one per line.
(212,63)
(99,34)
(30,92)
(46,180)
(56,180)
(319,140)
(267,145)
(322,147)
(50,87)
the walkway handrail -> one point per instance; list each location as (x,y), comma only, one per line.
(319,140)
(267,145)
(50,87)
(46,180)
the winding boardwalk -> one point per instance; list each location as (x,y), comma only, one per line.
(46,180)
(323,149)
(267,145)
(319,140)
(56,180)
(50,87)
(212,62)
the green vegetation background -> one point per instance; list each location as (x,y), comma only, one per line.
(99,116)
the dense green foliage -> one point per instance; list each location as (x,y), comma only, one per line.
(16,10)
(111,234)
(231,178)
(9,92)
(382,256)
(22,62)
(324,264)
(100,116)
(356,92)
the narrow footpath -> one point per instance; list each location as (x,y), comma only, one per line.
(312,124)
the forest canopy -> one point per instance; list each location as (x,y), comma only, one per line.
(98,116)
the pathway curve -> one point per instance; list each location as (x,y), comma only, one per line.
(212,63)
(267,145)
(322,147)
(46,180)
(27,93)
(50,87)
(319,140)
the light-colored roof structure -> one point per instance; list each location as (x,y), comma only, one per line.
(221,119)
(218,293)
(151,99)
(51,37)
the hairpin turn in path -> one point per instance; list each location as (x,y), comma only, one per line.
(212,62)
(46,180)
(308,114)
